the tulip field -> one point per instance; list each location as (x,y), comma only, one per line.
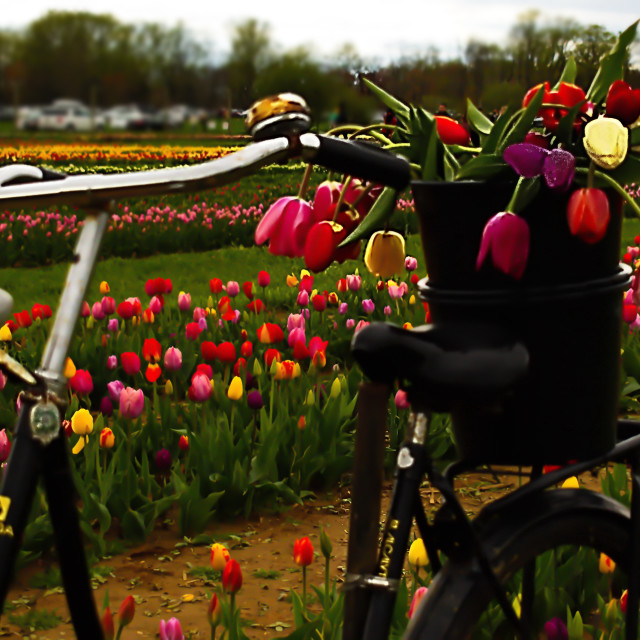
(203,407)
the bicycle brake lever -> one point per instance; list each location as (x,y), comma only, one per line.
(14,368)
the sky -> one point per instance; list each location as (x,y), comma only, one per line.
(379,31)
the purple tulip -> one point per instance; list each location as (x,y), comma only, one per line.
(171,630)
(556,629)
(172,359)
(557,166)
(202,323)
(254,400)
(163,460)
(131,402)
(106,406)
(506,238)
(115,388)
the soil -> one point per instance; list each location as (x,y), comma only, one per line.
(157,572)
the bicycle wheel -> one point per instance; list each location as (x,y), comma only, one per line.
(563,532)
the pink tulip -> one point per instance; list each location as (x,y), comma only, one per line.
(350,323)
(172,359)
(325,198)
(200,389)
(410,263)
(286,224)
(108,305)
(3,380)
(401,399)
(155,304)
(199,313)
(85,310)
(184,301)
(368,305)
(296,334)
(295,321)
(233,288)
(387,310)
(303,299)
(354,282)
(131,402)
(361,325)
(171,630)
(342,308)
(5,445)
(112,325)
(115,388)
(96,311)
(506,239)
(420,593)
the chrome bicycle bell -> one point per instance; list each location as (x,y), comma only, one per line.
(284,114)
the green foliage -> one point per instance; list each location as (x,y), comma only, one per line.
(36,620)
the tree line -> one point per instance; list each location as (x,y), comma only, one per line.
(102,61)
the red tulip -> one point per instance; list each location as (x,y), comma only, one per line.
(153,372)
(130,363)
(567,95)
(270,355)
(204,368)
(300,351)
(232,577)
(125,310)
(450,131)
(215,285)
(322,241)
(319,302)
(246,289)
(183,443)
(623,102)
(81,382)
(41,311)
(239,366)
(193,330)
(256,306)
(23,319)
(268,333)
(151,350)
(226,352)
(303,552)
(588,214)
(214,611)
(107,624)
(126,611)
(208,350)
(246,349)
(264,279)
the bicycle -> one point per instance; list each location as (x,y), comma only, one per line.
(441,363)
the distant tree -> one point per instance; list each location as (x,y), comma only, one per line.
(250,46)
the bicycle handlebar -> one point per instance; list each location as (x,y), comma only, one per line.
(97,190)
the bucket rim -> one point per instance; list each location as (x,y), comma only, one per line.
(563,291)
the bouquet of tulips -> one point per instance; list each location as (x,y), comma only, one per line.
(561,138)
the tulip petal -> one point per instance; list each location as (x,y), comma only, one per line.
(271,219)
(506,238)
(525,158)
(558,169)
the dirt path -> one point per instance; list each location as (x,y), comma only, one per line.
(167,577)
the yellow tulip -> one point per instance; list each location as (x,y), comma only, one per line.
(606,564)
(82,422)
(79,446)
(69,369)
(418,554)
(168,388)
(235,390)
(5,333)
(384,255)
(606,141)
(104,287)
(571,483)
(219,556)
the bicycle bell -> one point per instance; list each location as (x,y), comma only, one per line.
(284,114)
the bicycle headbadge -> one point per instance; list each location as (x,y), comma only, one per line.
(285,114)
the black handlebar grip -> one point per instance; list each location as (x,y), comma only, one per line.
(363,160)
(50,174)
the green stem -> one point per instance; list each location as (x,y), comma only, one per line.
(304,588)
(326,584)
(612,184)
(343,191)
(232,626)
(302,191)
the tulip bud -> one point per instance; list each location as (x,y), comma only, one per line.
(107,439)
(214,612)
(82,422)
(418,553)
(336,389)
(420,593)
(235,390)
(303,552)
(126,611)
(606,564)
(588,214)
(219,556)
(5,445)
(571,483)
(168,388)
(302,423)
(183,443)
(5,333)
(232,577)
(107,624)
(325,544)
(506,238)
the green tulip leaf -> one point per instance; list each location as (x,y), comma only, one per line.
(399,108)
(526,190)
(493,139)
(477,120)
(482,167)
(564,132)
(523,122)
(379,213)
(568,74)
(612,65)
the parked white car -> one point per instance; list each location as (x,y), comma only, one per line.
(126,116)
(68,115)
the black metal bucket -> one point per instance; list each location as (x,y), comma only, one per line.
(566,406)
(452,217)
